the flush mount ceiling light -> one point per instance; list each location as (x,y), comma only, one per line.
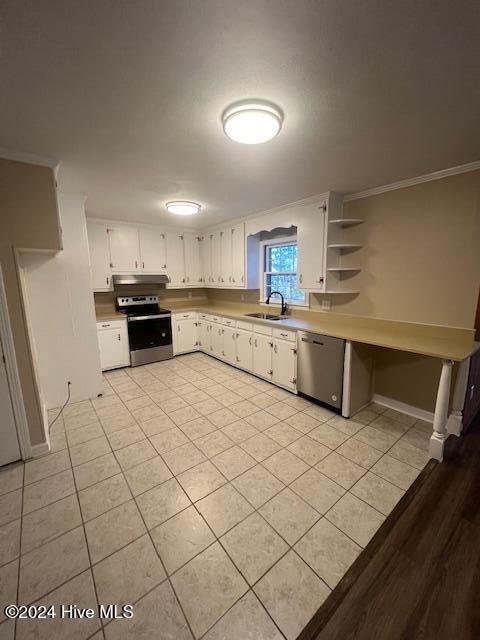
(183,207)
(252,122)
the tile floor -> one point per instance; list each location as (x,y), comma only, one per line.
(218,505)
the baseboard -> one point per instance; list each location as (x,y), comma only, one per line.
(415,412)
(40,449)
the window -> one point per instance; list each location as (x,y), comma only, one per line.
(280,272)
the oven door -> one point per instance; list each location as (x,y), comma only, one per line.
(150,338)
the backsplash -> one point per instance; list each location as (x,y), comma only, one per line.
(105,301)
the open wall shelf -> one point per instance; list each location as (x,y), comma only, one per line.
(342,245)
(345,222)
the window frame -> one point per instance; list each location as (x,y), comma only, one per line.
(263,245)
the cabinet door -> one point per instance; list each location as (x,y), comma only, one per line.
(310,242)
(229,339)
(124,249)
(113,344)
(175,260)
(226,257)
(262,355)
(238,255)
(215,259)
(216,346)
(152,251)
(99,256)
(205,260)
(193,273)
(284,364)
(187,336)
(244,344)
(204,335)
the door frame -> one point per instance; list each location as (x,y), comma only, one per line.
(13,376)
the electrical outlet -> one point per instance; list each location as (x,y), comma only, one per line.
(326,305)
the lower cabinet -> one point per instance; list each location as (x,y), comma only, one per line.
(284,364)
(244,344)
(113,344)
(269,354)
(185,336)
(262,355)
(229,346)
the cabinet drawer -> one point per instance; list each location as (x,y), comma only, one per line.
(246,326)
(262,329)
(110,324)
(188,315)
(285,334)
(229,322)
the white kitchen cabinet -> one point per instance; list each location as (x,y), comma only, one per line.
(124,249)
(216,345)
(311,249)
(284,364)
(175,259)
(262,355)
(99,256)
(229,344)
(113,344)
(152,250)
(216,259)
(226,257)
(206,260)
(204,335)
(193,270)
(244,344)
(186,336)
(238,255)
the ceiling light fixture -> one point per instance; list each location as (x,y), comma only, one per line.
(183,207)
(252,122)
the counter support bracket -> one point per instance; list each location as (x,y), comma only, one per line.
(455,419)
(439,435)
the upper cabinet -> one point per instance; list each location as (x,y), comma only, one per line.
(311,248)
(124,249)
(223,257)
(175,259)
(99,256)
(193,269)
(152,250)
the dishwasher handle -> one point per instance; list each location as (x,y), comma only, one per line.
(313,341)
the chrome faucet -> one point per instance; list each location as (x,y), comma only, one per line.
(284,304)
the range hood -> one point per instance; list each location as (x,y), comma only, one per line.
(140,278)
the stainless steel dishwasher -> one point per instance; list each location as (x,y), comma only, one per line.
(320,367)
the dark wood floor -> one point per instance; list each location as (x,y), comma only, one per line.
(420,576)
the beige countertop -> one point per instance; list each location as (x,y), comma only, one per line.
(447,343)
(105,316)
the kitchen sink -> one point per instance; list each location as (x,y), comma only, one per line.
(265,316)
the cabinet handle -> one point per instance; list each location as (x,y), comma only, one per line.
(294,381)
(119,337)
(250,340)
(136,264)
(112,266)
(108,280)
(275,349)
(105,326)
(164,266)
(143,265)
(183,279)
(233,336)
(238,359)
(178,327)
(256,343)
(285,335)
(233,279)
(271,372)
(242,279)
(320,280)
(300,278)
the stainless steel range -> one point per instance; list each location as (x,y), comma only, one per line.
(149,329)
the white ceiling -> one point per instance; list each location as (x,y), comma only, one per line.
(128,95)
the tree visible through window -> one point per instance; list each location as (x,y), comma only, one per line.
(281,271)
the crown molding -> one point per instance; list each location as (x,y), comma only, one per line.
(410,182)
(29,158)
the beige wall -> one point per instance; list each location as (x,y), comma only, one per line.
(421,260)
(28,219)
